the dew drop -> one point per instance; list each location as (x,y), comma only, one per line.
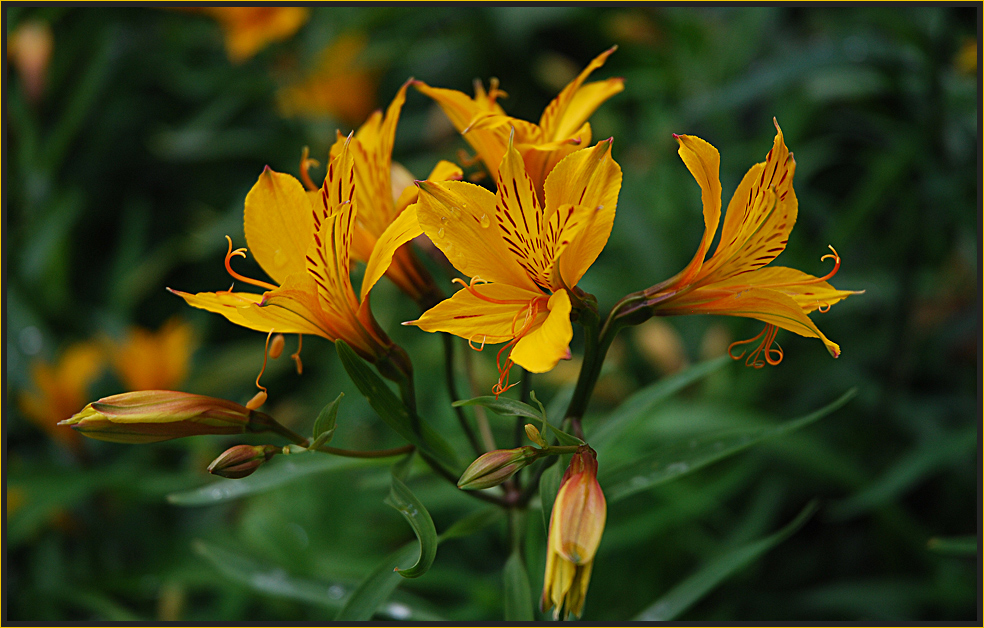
(484,221)
(444,218)
(440,232)
(279,258)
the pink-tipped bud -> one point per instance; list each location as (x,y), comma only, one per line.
(576,525)
(496,467)
(150,416)
(241,460)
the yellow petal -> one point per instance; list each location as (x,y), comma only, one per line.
(296,308)
(541,349)
(443,171)
(591,178)
(242,308)
(760,216)
(764,304)
(561,117)
(481,321)
(704,163)
(460,218)
(400,231)
(803,288)
(278,223)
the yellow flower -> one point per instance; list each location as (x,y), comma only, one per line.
(576,525)
(29,50)
(339,86)
(522,257)
(308,254)
(563,126)
(386,190)
(756,227)
(248,30)
(150,416)
(61,389)
(154,361)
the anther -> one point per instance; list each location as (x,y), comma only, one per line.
(277,346)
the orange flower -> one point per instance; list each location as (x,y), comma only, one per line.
(733,281)
(61,389)
(154,360)
(563,126)
(248,30)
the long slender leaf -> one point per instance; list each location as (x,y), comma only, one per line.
(516,582)
(391,410)
(679,458)
(641,403)
(954,545)
(691,590)
(279,472)
(549,485)
(414,511)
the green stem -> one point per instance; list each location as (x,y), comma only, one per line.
(453,393)
(559,450)
(381,453)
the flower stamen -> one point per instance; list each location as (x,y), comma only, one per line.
(764,353)
(296,356)
(307,163)
(260,397)
(242,253)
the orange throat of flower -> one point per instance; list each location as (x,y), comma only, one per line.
(528,311)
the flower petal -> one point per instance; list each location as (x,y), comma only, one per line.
(242,308)
(808,292)
(591,178)
(399,232)
(466,315)
(541,349)
(760,216)
(278,223)
(443,171)
(459,217)
(568,110)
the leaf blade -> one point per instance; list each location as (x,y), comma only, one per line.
(516,582)
(413,510)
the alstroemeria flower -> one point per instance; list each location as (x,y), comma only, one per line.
(386,190)
(756,227)
(248,30)
(563,126)
(147,360)
(522,256)
(308,254)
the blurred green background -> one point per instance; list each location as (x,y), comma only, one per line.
(133,137)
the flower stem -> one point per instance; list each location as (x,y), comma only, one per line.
(381,453)
(453,393)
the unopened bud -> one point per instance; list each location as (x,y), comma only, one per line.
(496,467)
(241,460)
(534,435)
(150,416)
(277,346)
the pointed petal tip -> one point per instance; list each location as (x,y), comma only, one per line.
(410,323)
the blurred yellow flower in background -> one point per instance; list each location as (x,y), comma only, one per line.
(248,30)
(148,360)
(29,50)
(61,389)
(339,86)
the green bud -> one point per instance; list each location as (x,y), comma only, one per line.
(241,460)
(496,467)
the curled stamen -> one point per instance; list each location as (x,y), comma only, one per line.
(296,356)
(470,287)
(260,397)
(472,347)
(242,253)
(306,163)
(823,308)
(764,353)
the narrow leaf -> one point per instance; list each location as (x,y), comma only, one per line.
(278,472)
(673,460)
(414,511)
(518,600)
(688,592)
(641,403)
(391,410)
(325,423)
(549,485)
(954,545)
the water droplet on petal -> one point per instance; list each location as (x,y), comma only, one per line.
(440,232)
(484,221)
(279,258)
(444,218)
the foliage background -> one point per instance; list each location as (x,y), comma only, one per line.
(123,178)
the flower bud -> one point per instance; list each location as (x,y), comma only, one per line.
(534,435)
(150,416)
(576,525)
(495,467)
(241,460)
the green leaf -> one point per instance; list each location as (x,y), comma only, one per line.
(511,407)
(518,600)
(271,580)
(324,425)
(549,485)
(278,472)
(954,545)
(414,511)
(391,410)
(384,579)
(688,592)
(641,403)
(672,460)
